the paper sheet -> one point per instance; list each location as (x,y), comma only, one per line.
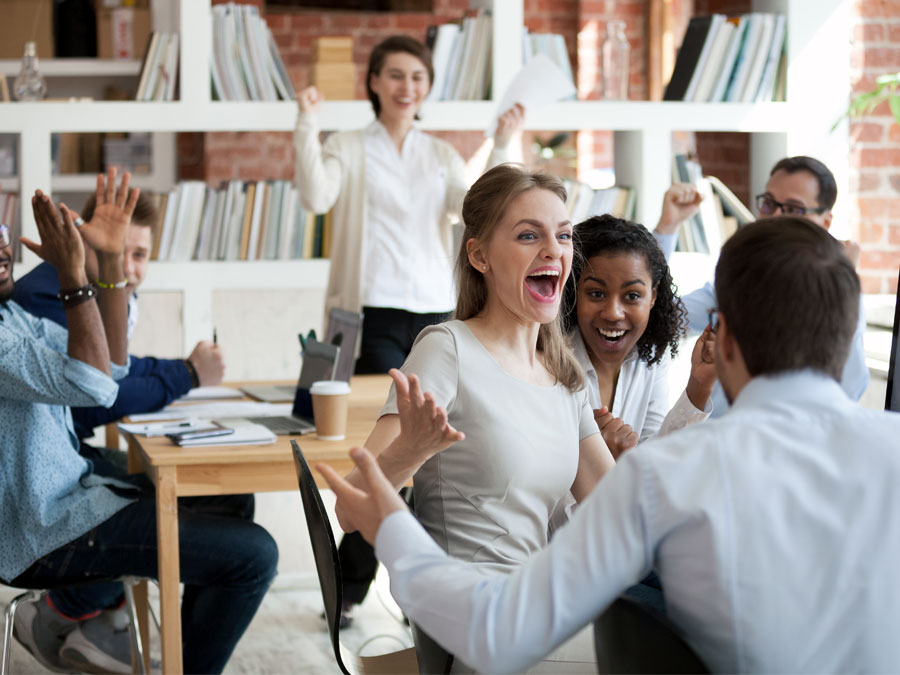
(218,410)
(211,393)
(539,83)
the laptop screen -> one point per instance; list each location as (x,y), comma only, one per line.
(892,399)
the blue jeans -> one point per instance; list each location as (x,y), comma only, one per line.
(227,565)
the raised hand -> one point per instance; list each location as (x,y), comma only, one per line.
(209,363)
(60,244)
(508,124)
(309,100)
(112,214)
(424,428)
(619,436)
(680,202)
(703,369)
(366,507)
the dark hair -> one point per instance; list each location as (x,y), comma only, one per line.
(608,235)
(483,209)
(789,295)
(145,211)
(827,185)
(392,45)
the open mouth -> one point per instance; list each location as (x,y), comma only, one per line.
(4,269)
(543,284)
(611,338)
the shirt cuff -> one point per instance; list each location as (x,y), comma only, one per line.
(101,389)
(401,534)
(666,243)
(117,371)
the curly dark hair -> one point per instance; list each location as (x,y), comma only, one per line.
(606,234)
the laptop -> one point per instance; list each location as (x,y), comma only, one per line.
(892,397)
(343,331)
(319,363)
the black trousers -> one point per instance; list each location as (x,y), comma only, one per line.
(387,338)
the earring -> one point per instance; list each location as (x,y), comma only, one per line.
(484,268)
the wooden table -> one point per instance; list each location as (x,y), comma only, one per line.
(181,472)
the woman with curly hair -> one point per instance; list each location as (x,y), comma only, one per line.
(629,320)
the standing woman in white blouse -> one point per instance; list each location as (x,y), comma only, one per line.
(396,192)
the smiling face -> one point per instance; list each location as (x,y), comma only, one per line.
(138,242)
(6,264)
(528,257)
(800,188)
(401,86)
(615,296)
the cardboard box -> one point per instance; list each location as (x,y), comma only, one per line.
(122,33)
(19,18)
(336,80)
(333,49)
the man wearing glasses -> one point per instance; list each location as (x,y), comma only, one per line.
(798,186)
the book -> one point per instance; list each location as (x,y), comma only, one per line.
(766,89)
(688,55)
(168,71)
(731,205)
(145,72)
(155,55)
(728,60)
(259,198)
(715,24)
(446,35)
(760,55)
(250,208)
(714,63)
(744,59)
(242,432)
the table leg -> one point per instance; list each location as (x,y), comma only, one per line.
(142,612)
(169,572)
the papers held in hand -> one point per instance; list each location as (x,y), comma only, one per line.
(216,434)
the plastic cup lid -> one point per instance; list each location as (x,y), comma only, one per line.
(330,387)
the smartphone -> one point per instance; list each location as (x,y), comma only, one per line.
(214,429)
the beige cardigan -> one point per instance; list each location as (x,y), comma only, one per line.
(334,176)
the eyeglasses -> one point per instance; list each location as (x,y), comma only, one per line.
(4,236)
(713,314)
(767,206)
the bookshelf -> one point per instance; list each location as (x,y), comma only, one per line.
(817,43)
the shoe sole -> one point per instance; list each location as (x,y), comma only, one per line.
(73,653)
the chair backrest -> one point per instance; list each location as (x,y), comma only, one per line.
(324,549)
(632,638)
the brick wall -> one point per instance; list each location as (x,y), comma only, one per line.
(875,147)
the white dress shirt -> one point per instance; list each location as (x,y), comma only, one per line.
(775,531)
(407,266)
(642,394)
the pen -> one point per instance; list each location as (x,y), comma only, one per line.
(215,337)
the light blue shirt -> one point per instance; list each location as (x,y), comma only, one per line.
(775,531)
(854,378)
(48,495)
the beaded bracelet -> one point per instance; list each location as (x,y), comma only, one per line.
(76,296)
(118,284)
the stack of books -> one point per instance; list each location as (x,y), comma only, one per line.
(159,69)
(333,70)
(584,202)
(245,64)
(253,220)
(720,214)
(737,59)
(461,55)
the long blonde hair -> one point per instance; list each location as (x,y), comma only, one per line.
(483,208)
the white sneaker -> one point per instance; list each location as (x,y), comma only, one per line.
(99,645)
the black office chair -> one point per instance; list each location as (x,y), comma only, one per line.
(632,638)
(328,568)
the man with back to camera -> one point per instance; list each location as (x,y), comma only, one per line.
(64,523)
(151,383)
(775,529)
(797,186)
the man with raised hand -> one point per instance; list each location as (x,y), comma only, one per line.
(775,530)
(64,525)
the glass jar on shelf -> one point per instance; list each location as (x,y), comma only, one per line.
(30,84)
(614,65)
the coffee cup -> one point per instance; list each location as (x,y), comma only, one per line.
(330,400)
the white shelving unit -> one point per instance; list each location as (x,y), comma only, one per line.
(818,47)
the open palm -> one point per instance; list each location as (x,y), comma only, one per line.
(105,233)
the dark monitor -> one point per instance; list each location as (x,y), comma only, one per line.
(892,398)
